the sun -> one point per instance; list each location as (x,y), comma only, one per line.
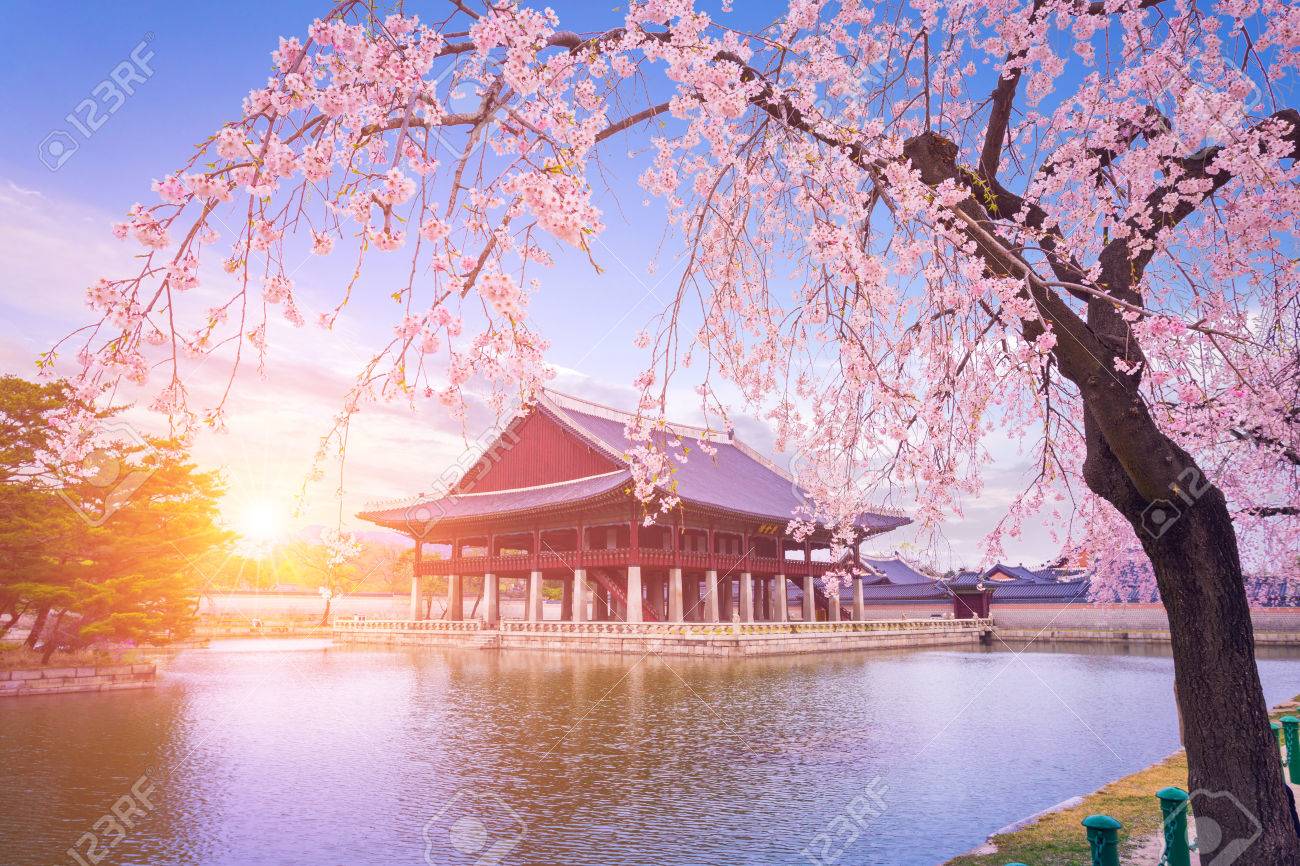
(259,524)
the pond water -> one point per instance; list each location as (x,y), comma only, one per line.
(298,752)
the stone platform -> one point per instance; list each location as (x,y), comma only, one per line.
(669,638)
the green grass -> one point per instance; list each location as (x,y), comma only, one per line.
(1058,839)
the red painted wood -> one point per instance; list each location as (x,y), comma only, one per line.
(538,450)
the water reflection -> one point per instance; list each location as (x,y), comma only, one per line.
(362,756)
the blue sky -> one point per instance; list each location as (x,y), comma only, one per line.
(204,58)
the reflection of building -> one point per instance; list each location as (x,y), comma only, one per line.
(552,500)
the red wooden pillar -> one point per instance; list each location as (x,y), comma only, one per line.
(582,544)
(455,596)
(414,610)
(677,539)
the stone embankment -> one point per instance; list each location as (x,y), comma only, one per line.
(55,681)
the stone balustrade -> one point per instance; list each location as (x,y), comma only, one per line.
(743,629)
(435,625)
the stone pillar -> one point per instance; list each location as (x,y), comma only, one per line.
(833,606)
(534,612)
(676,611)
(491,599)
(859,606)
(455,597)
(809,600)
(635,609)
(711,611)
(415,597)
(782,599)
(746,597)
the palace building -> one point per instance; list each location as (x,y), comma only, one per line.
(550,503)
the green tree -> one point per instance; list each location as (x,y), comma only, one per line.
(39,529)
(102,549)
(137,577)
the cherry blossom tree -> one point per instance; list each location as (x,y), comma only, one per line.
(905,228)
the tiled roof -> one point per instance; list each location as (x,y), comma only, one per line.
(735,479)
(428,511)
(1050,574)
(1039,592)
(934,591)
(896,571)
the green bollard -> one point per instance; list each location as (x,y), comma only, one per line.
(1291,731)
(1103,839)
(1277,735)
(1173,812)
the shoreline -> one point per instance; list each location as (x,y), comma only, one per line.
(1055,835)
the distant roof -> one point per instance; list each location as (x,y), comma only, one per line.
(896,570)
(933,591)
(1017,571)
(1027,591)
(1022,573)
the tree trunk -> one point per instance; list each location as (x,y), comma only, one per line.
(14,614)
(1234,773)
(54,640)
(325,617)
(42,614)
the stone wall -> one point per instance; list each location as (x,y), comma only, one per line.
(1126,622)
(914,610)
(717,642)
(1121,616)
(54,681)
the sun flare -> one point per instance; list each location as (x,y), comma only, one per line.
(259,524)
